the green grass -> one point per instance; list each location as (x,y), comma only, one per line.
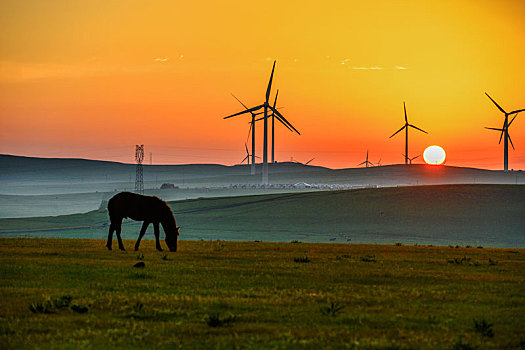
(254,295)
(476,215)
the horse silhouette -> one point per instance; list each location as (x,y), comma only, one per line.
(150,209)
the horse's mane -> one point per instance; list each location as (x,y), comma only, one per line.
(167,208)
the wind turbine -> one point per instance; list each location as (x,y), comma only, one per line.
(411,159)
(505,131)
(247,158)
(265,106)
(252,129)
(366,162)
(406,126)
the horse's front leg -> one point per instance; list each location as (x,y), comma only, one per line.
(141,234)
(157,234)
(110,236)
(118,229)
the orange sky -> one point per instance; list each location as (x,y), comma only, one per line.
(91,79)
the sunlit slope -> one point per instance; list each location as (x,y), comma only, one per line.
(488,215)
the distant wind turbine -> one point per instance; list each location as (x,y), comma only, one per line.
(308,162)
(505,131)
(413,158)
(252,129)
(406,126)
(366,162)
(247,158)
(266,106)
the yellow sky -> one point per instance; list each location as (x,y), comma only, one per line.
(93,78)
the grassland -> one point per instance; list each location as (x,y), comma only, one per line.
(487,215)
(214,294)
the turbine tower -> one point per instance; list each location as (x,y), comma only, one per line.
(266,106)
(406,126)
(505,131)
(252,129)
(366,162)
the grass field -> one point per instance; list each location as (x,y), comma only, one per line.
(487,215)
(215,294)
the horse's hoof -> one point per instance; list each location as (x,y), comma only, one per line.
(159,249)
(136,248)
(122,248)
(109,248)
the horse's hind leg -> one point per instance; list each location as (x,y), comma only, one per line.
(118,229)
(141,234)
(157,234)
(110,236)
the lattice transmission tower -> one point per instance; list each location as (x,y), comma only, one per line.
(139,179)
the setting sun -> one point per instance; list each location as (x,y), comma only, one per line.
(434,155)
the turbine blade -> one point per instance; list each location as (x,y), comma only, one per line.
(270,83)
(284,119)
(501,135)
(361,163)
(308,162)
(275,101)
(511,141)
(415,127)
(512,119)
(404,107)
(247,152)
(249,110)
(497,105)
(404,126)
(516,111)
(282,122)
(235,97)
(242,161)
(250,130)
(494,129)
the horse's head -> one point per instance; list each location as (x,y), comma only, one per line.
(171,239)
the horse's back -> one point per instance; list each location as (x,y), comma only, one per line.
(135,206)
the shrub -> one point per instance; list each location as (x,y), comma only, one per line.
(369,258)
(484,328)
(295,241)
(140,256)
(333,309)
(79,309)
(62,302)
(42,307)
(492,262)
(399,244)
(215,320)
(302,260)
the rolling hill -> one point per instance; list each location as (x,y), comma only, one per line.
(477,215)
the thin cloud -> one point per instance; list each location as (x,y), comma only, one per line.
(165,59)
(400,68)
(368,68)
(345,61)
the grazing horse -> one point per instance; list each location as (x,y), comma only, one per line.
(150,209)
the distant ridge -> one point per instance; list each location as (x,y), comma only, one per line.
(17,172)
